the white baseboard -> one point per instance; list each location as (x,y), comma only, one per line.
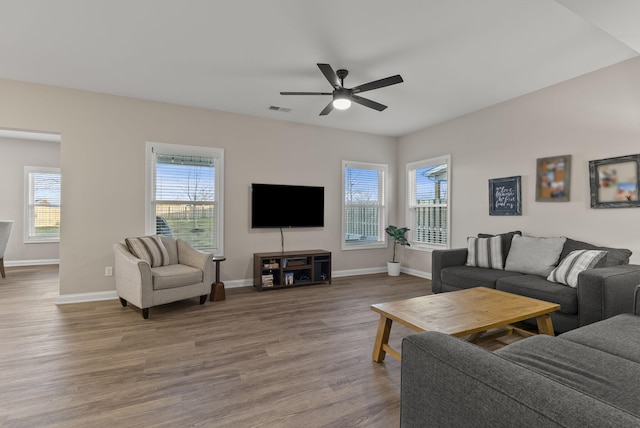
(14,263)
(236,283)
(86,297)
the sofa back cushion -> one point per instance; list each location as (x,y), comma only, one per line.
(615,256)
(172,248)
(537,256)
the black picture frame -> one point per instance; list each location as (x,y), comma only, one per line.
(505,196)
(615,182)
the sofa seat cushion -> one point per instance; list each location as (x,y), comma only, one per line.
(470,277)
(619,335)
(177,275)
(538,287)
(598,374)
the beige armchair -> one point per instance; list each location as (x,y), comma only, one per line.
(160,270)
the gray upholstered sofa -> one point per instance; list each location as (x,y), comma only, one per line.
(587,377)
(600,292)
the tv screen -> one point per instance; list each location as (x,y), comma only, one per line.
(279,205)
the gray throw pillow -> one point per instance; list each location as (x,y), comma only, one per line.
(537,256)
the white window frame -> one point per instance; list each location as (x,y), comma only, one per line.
(150,192)
(410,197)
(29,226)
(383,203)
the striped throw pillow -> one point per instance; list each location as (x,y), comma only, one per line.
(485,252)
(576,261)
(149,248)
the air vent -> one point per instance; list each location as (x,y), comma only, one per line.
(282,109)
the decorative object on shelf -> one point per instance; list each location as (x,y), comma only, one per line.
(553,179)
(398,234)
(505,196)
(614,182)
(288,278)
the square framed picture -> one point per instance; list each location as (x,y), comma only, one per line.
(553,179)
(614,182)
(505,196)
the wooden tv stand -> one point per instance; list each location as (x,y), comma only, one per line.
(291,268)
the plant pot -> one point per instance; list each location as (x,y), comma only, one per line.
(393,268)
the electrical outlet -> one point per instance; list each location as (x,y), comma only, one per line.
(108,271)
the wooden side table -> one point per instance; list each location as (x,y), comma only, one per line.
(217,288)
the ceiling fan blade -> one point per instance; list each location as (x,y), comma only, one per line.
(387,81)
(330,75)
(368,103)
(306,93)
(328,109)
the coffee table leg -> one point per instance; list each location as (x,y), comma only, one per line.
(382,338)
(545,326)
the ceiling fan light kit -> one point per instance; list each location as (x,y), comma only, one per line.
(343,97)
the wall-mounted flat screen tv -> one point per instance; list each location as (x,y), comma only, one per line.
(279,205)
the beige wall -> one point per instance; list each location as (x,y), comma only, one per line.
(15,154)
(595,116)
(103,153)
(103,169)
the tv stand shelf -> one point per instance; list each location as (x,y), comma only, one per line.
(291,268)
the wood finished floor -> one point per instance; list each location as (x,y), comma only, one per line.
(299,357)
(278,358)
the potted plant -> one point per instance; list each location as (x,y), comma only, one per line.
(399,238)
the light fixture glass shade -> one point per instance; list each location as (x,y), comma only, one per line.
(341,103)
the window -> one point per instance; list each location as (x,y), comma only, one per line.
(428,203)
(364,205)
(42,204)
(185,194)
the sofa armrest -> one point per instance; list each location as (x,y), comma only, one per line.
(447,382)
(133,277)
(187,255)
(636,301)
(441,259)
(605,292)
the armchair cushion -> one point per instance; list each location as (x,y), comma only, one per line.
(149,248)
(172,276)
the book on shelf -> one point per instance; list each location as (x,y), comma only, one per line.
(267,280)
(271,266)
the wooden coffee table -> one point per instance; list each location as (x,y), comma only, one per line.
(461,313)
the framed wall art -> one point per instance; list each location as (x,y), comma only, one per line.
(553,179)
(614,182)
(505,196)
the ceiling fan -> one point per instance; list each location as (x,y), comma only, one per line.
(342,97)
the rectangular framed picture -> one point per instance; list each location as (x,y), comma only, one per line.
(505,196)
(553,179)
(614,182)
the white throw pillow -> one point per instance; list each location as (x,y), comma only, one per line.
(575,262)
(531,255)
(485,252)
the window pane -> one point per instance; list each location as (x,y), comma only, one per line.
(428,202)
(185,199)
(43,206)
(363,204)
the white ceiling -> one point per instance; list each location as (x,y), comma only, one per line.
(456,56)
